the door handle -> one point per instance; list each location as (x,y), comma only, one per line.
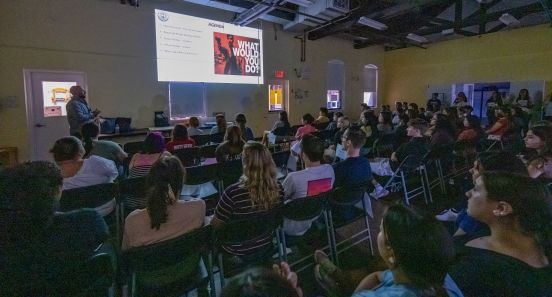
(40,125)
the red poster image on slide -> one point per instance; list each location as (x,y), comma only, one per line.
(237,55)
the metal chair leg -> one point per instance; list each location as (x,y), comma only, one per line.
(221,271)
(367,226)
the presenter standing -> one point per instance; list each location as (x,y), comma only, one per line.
(78,111)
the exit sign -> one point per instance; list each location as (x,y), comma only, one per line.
(279,73)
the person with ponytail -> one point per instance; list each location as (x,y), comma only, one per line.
(103,148)
(256,192)
(165,216)
(232,146)
(514,260)
(417,251)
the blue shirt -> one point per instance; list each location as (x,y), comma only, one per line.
(388,288)
(352,170)
(78,113)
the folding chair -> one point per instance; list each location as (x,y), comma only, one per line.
(201,139)
(432,160)
(101,197)
(217,138)
(208,151)
(231,171)
(306,209)
(132,193)
(344,199)
(383,146)
(198,175)
(403,173)
(171,267)
(281,160)
(248,231)
(188,156)
(134,147)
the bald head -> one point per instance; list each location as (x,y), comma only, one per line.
(77,91)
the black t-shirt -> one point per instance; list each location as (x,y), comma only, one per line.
(417,147)
(484,273)
(352,171)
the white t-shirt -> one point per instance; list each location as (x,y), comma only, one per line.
(95,170)
(308,182)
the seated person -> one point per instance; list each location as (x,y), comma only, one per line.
(384,123)
(246,131)
(103,148)
(316,178)
(221,124)
(256,193)
(472,129)
(443,132)
(333,124)
(42,248)
(307,127)
(232,146)
(193,129)
(343,123)
(153,150)
(322,116)
(369,124)
(538,141)
(417,251)
(355,169)
(281,128)
(78,172)
(502,123)
(255,282)
(416,147)
(165,216)
(180,139)
(514,260)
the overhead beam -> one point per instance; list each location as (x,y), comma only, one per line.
(331,30)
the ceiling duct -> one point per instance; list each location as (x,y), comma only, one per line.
(323,9)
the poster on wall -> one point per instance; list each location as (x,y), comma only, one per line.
(236,55)
(275,97)
(55,95)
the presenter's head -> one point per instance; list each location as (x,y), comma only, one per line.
(77,92)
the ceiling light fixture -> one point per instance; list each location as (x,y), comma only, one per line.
(508,19)
(373,24)
(417,38)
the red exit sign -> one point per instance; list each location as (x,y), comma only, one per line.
(279,74)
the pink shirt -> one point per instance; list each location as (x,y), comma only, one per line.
(302,131)
(183,217)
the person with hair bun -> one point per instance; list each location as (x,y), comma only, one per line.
(165,216)
(514,260)
(103,148)
(77,172)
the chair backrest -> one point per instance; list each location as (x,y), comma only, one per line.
(348,195)
(384,145)
(217,138)
(208,151)
(201,139)
(235,232)
(133,147)
(170,252)
(133,193)
(231,172)
(197,175)
(281,158)
(321,126)
(188,156)
(87,197)
(306,208)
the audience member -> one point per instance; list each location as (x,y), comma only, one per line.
(42,248)
(400,130)
(343,123)
(332,126)
(282,126)
(369,124)
(443,132)
(514,260)
(232,146)
(180,139)
(246,132)
(460,99)
(523,99)
(307,127)
(492,103)
(472,129)
(539,143)
(384,123)
(193,129)
(501,124)
(322,116)
(153,149)
(165,216)
(78,172)
(220,128)
(316,178)
(257,282)
(417,147)
(434,104)
(520,120)
(454,117)
(102,148)
(256,193)
(417,251)
(363,107)
(355,169)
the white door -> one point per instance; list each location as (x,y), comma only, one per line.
(47,93)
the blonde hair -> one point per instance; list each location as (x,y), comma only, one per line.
(259,175)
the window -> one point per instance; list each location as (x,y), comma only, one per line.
(335,84)
(370,78)
(186,100)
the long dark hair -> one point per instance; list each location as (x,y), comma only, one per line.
(422,247)
(283,117)
(545,134)
(475,123)
(530,200)
(444,124)
(89,132)
(179,132)
(164,182)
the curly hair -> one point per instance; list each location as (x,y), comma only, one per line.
(259,175)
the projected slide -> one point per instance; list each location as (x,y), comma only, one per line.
(191,49)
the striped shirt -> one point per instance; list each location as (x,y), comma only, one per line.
(235,204)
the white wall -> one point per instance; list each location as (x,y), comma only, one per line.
(115,45)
